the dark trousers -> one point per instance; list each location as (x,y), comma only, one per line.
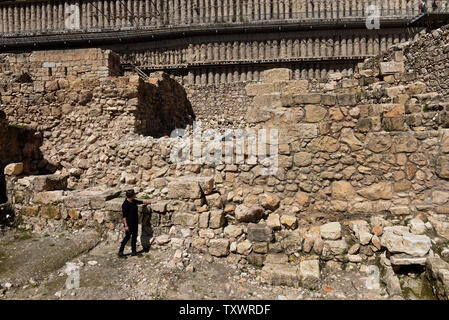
(132,233)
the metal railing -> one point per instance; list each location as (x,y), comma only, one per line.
(37,17)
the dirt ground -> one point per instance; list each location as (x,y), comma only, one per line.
(33,266)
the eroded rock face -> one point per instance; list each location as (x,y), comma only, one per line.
(331,231)
(248,213)
(377,191)
(438,273)
(400,241)
(280,274)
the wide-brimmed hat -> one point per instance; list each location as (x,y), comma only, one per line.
(130,193)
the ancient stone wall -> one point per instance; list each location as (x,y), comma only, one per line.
(363,152)
(86,118)
(220,105)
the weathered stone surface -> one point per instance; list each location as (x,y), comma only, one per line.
(233,231)
(361,229)
(289,221)
(185,219)
(268,101)
(273,221)
(30,210)
(438,273)
(48,182)
(278,74)
(331,231)
(309,274)
(184,189)
(255,89)
(378,142)
(292,243)
(382,190)
(280,274)
(404,259)
(336,247)
(342,190)
(48,197)
(259,233)
(216,219)
(417,226)
(302,159)
(244,247)
(391,67)
(50,212)
(325,143)
(347,136)
(346,99)
(248,213)
(442,167)
(399,241)
(14,169)
(306,130)
(391,280)
(159,206)
(315,113)
(269,201)
(307,98)
(219,247)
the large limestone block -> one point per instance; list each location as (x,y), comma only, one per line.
(307,98)
(382,190)
(268,100)
(315,113)
(48,182)
(48,197)
(259,232)
(335,247)
(309,274)
(406,260)
(14,169)
(378,142)
(347,136)
(50,212)
(190,187)
(391,67)
(219,247)
(438,273)
(292,243)
(185,219)
(248,213)
(233,231)
(280,275)
(206,183)
(400,241)
(306,130)
(278,74)
(331,231)
(342,190)
(444,142)
(442,167)
(256,115)
(326,144)
(292,86)
(256,89)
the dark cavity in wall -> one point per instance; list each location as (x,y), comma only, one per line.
(162,106)
(20,144)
